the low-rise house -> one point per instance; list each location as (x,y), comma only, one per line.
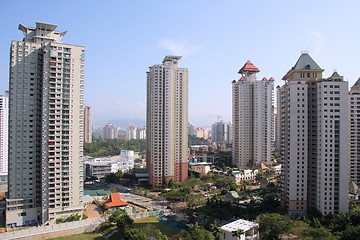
(231,196)
(201,167)
(249,230)
(115,201)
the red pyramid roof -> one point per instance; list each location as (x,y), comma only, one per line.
(114,201)
(271,79)
(242,78)
(264,79)
(249,67)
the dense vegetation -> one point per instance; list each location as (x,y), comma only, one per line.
(71,218)
(108,147)
(197,141)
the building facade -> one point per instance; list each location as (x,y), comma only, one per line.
(45,127)
(252,102)
(110,132)
(134,132)
(167,122)
(191,129)
(4,121)
(355,133)
(314,127)
(87,124)
(220,132)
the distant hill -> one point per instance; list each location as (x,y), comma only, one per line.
(123,123)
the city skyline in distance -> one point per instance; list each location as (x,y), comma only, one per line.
(214,49)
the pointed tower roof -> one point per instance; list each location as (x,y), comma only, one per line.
(242,78)
(271,79)
(233,81)
(335,74)
(305,62)
(249,67)
(357,83)
(264,79)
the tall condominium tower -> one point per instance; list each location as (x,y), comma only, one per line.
(45,127)
(355,133)
(4,119)
(167,122)
(110,132)
(220,132)
(87,124)
(252,102)
(314,127)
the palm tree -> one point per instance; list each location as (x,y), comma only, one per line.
(238,233)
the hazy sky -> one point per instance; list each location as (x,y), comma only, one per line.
(215,38)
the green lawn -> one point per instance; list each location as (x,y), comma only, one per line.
(163,227)
(83,236)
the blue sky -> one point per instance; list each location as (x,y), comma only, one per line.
(215,38)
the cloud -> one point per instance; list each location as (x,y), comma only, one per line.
(180,47)
(319,41)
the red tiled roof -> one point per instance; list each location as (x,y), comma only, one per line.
(249,67)
(114,201)
(271,79)
(242,79)
(264,79)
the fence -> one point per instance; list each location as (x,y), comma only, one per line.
(56,230)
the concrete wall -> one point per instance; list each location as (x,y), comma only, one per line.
(54,231)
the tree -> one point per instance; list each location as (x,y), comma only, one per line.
(274,224)
(351,232)
(115,215)
(147,232)
(124,223)
(199,233)
(238,233)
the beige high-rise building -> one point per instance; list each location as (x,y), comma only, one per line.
(355,133)
(252,123)
(167,122)
(87,124)
(314,128)
(45,128)
(4,140)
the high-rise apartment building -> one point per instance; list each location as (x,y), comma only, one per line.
(220,132)
(252,102)
(87,124)
(167,122)
(355,133)
(45,127)
(110,132)
(314,125)
(202,132)
(134,132)
(4,120)
(191,129)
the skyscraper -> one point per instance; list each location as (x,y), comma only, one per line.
(87,124)
(110,132)
(220,132)
(355,132)
(45,127)
(314,125)
(4,119)
(167,122)
(252,102)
